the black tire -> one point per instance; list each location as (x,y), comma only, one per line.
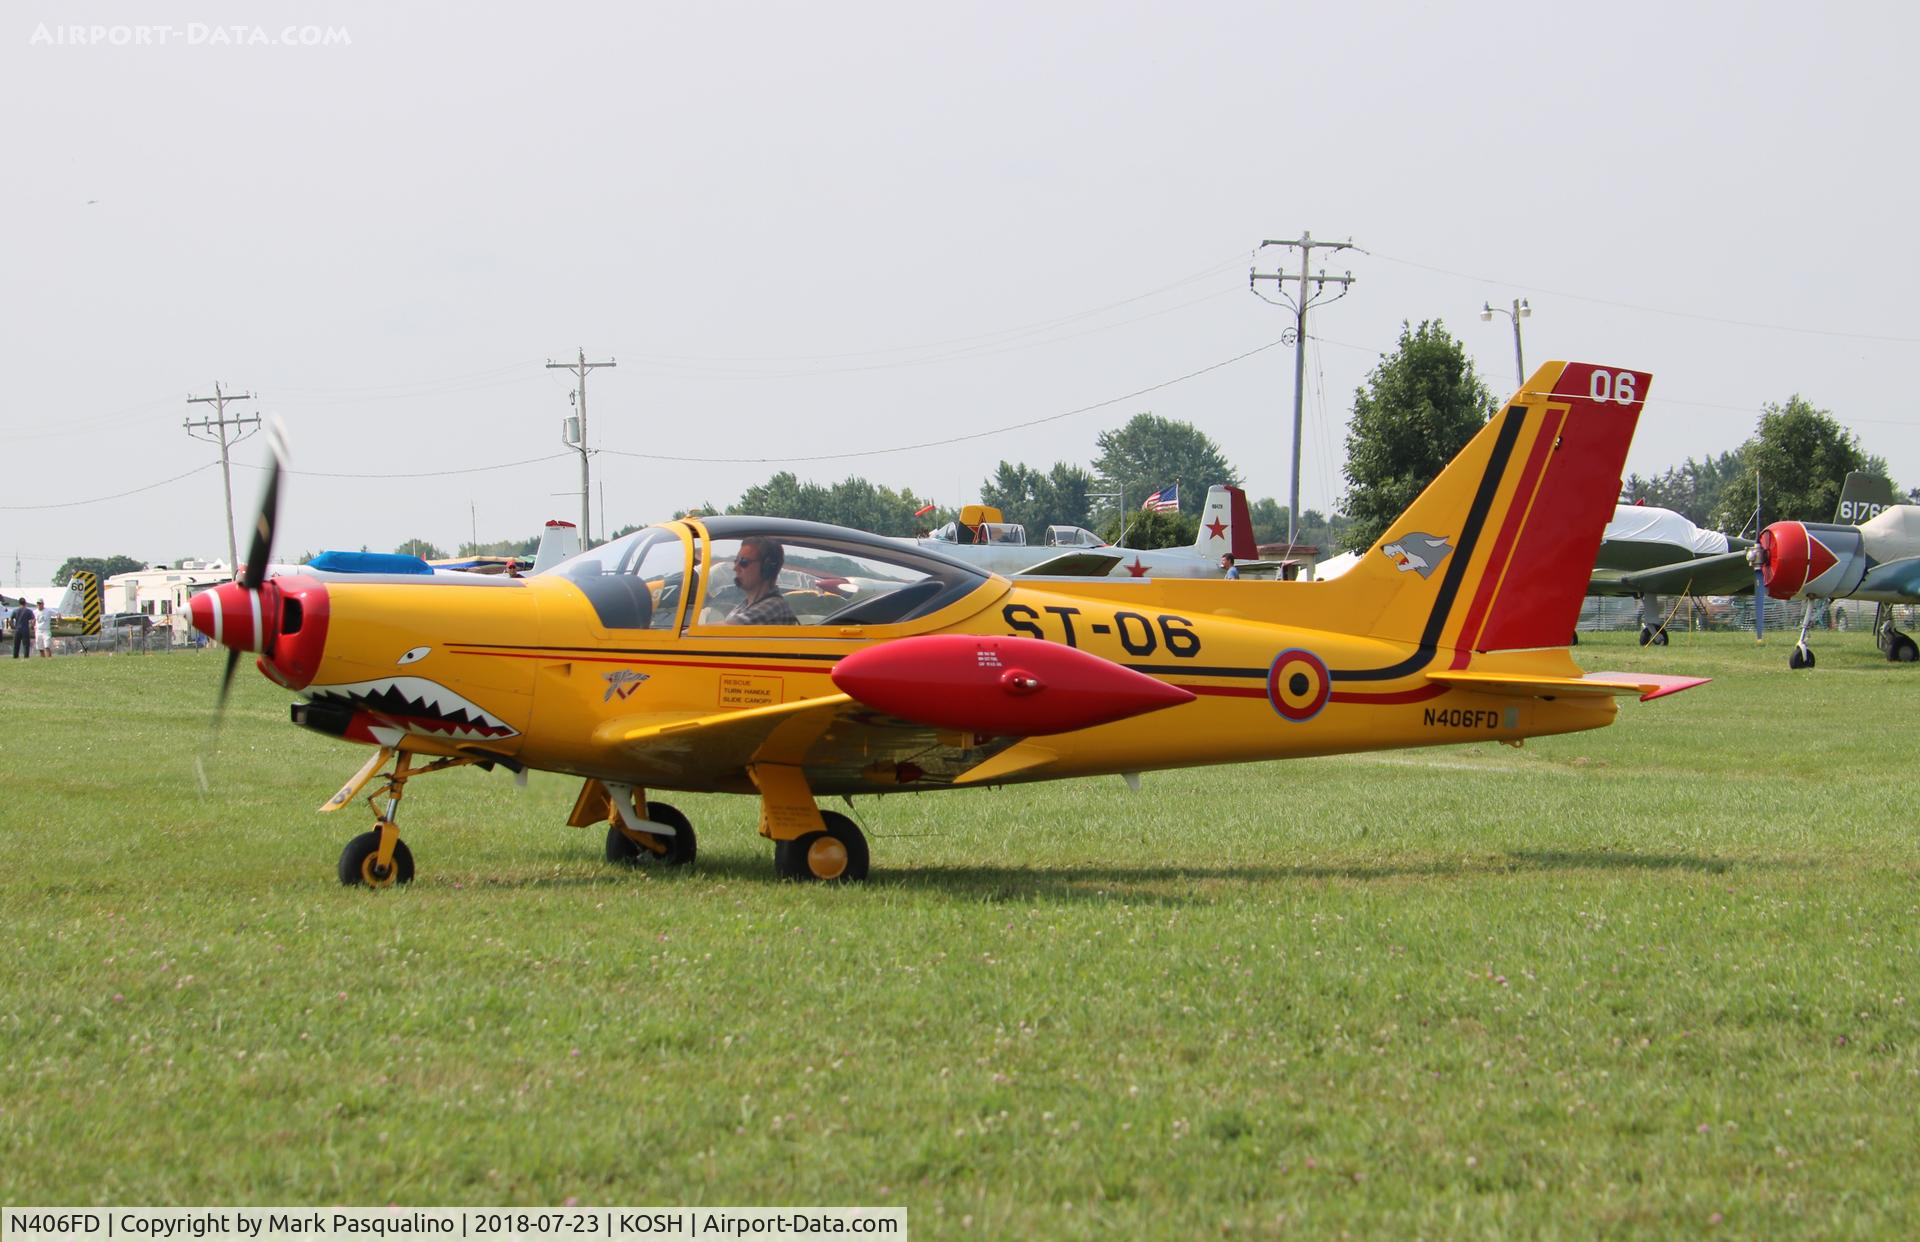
(1800,657)
(356,863)
(1659,638)
(1646,636)
(649,850)
(836,856)
(1902,650)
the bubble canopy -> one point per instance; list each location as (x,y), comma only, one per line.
(682,577)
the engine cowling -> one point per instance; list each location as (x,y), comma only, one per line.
(1810,558)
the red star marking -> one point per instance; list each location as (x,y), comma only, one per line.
(1217,529)
(1137,569)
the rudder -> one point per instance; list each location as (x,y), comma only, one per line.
(1496,553)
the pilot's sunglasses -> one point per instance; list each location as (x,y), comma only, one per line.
(740,562)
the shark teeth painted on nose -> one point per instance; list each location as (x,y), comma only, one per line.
(418,706)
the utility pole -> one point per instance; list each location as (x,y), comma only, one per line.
(1300,300)
(215,429)
(580,369)
(1520,311)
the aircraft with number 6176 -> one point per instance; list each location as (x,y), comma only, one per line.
(788,661)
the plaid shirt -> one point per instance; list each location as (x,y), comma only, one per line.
(769,609)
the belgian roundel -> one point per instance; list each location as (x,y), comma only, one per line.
(1298,685)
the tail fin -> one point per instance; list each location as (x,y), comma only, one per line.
(558,541)
(1225,526)
(1862,496)
(1496,554)
(82,600)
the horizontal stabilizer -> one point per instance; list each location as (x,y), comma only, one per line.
(1593,685)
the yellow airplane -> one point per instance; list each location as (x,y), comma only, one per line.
(791,660)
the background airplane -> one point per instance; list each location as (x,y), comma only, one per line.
(1876,558)
(1075,552)
(619,668)
(1648,552)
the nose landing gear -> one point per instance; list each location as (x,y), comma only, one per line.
(379,858)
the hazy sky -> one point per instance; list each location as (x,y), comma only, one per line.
(837,228)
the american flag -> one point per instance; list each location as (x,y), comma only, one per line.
(1166,500)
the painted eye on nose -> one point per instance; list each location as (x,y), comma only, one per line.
(418,653)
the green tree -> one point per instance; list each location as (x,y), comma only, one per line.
(852,502)
(1316,528)
(1037,501)
(502,547)
(105,566)
(422,549)
(1801,456)
(1420,407)
(1146,529)
(1150,453)
(1693,489)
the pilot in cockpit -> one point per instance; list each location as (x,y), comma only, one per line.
(756,571)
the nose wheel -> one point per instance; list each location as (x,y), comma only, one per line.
(1802,655)
(360,862)
(380,859)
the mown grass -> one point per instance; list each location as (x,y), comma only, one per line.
(1656,979)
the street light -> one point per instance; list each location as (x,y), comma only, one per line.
(1520,311)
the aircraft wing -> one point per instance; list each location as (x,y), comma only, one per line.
(1901,577)
(921,710)
(1725,574)
(839,741)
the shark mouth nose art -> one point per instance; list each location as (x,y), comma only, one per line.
(417,706)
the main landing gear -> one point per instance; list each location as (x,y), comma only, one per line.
(663,838)
(1893,644)
(836,854)
(809,845)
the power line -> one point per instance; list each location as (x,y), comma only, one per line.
(73,504)
(998,336)
(1650,310)
(977,435)
(417,474)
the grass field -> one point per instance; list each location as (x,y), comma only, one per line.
(1657,979)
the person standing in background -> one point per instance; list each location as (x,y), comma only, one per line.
(22,619)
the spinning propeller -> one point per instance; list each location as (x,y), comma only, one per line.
(233,613)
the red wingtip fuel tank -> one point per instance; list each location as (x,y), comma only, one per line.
(1002,686)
